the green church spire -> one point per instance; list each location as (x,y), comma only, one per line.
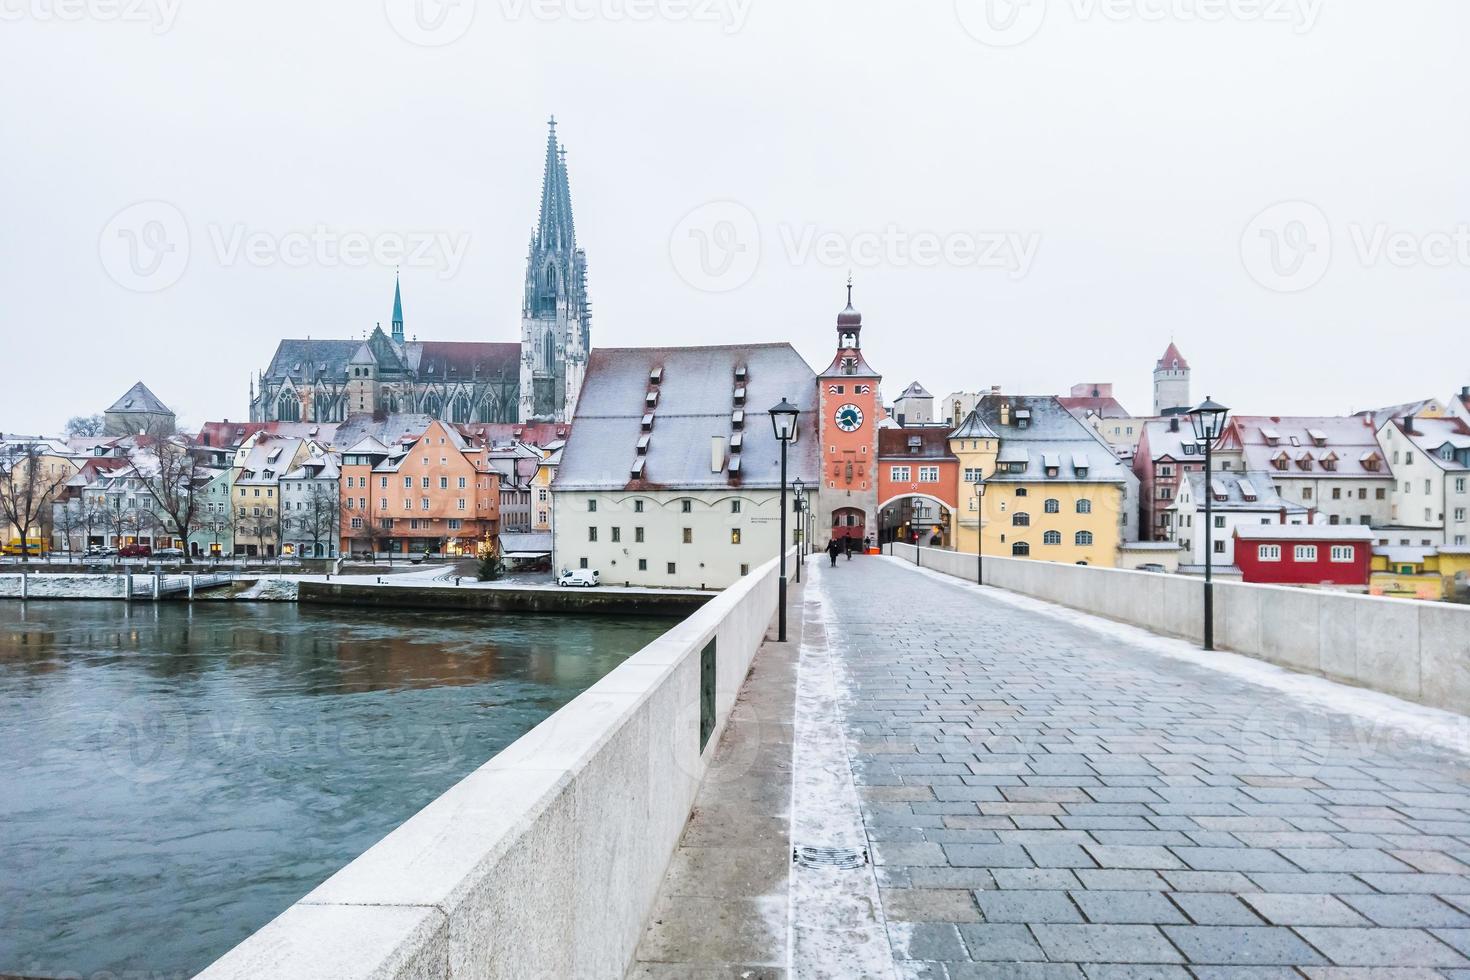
(397,310)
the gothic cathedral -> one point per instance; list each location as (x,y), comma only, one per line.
(463,382)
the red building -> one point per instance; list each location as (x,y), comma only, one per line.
(847,426)
(918,478)
(1305,554)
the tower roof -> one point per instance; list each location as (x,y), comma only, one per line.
(554,230)
(1171,360)
(139,399)
(974,427)
(397,300)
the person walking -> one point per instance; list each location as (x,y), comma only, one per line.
(847,547)
(833,549)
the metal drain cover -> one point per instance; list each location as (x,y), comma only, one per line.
(845,858)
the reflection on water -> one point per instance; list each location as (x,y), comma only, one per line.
(176,775)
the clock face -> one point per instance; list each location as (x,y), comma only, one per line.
(849,418)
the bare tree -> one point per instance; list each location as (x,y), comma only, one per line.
(68,519)
(173,475)
(86,425)
(317,520)
(26,489)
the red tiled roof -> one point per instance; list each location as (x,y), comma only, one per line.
(1171,354)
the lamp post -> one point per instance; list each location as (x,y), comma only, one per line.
(799,488)
(783,423)
(979,528)
(1208,419)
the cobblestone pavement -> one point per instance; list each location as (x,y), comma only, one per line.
(1046,801)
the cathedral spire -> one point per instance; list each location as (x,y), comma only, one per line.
(554,230)
(397,310)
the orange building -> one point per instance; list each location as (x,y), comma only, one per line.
(434,492)
(918,478)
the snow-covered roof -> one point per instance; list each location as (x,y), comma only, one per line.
(1305,532)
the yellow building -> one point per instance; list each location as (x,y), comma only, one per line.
(1421,573)
(33,473)
(1053,489)
(541,512)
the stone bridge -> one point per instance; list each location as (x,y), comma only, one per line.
(935,780)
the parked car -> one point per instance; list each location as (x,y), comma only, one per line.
(135,551)
(578,577)
(100,551)
(169,553)
(1152,567)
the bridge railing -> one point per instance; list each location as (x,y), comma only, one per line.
(1404,647)
(545,862)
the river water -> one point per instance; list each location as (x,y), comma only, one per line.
(175,775)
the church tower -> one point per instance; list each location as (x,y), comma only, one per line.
(556,319)
(397,311)
(847,430)
(1171,383)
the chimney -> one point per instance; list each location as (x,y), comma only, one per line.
(716,454)
(1173,423)
(1408,425)
(1465,392)
(1005,412)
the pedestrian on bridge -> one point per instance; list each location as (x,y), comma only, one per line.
(833,550)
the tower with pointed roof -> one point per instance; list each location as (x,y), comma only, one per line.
(847,430)
(1171,383)
(397,310)
(556,319)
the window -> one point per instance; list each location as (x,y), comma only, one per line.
(638,535)
(1020,519)
(1459,513)
(1084,507)
(1459,485)
(1219,547)
(1344,552)
(424,501)
(972,474)
(461,504)
(617,535)
(643,564)
(735,535)
(1166,471)
(382,503)
(1020,549)
(1337,493)
(1306,493)
(685,507)
(455,524)
(928,474)
(461,486)
(671,568)
(1082,538)
(1219,522)
(443,483)
(689,535)
(592,533)
(1052,537)
(899,474)
(1021,491)
(734,506)
(582,563)
(1305,552)
(1269,552)
(637,506)
(744,569)
(1053,505)
(1381,494)
(591,506)
(407,504)
(408,483)
(356,523)
(382,483)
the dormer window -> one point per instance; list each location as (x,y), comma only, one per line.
(740,374)
(647,423)
(740,394)
(651,399)
(656,376)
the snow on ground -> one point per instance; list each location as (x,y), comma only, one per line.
(272,590)
(1386,714)
(835,926)
(65,586)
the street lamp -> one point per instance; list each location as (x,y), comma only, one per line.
(799,488)
(979,527)
(1208,419)
(783,423)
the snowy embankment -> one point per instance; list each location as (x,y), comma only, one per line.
(271,590)
(65,586)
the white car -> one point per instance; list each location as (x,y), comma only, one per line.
(584,577)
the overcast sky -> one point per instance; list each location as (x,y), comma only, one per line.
(1032,194)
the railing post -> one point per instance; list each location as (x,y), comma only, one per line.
(128,585)
(191,586)
(25,585)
